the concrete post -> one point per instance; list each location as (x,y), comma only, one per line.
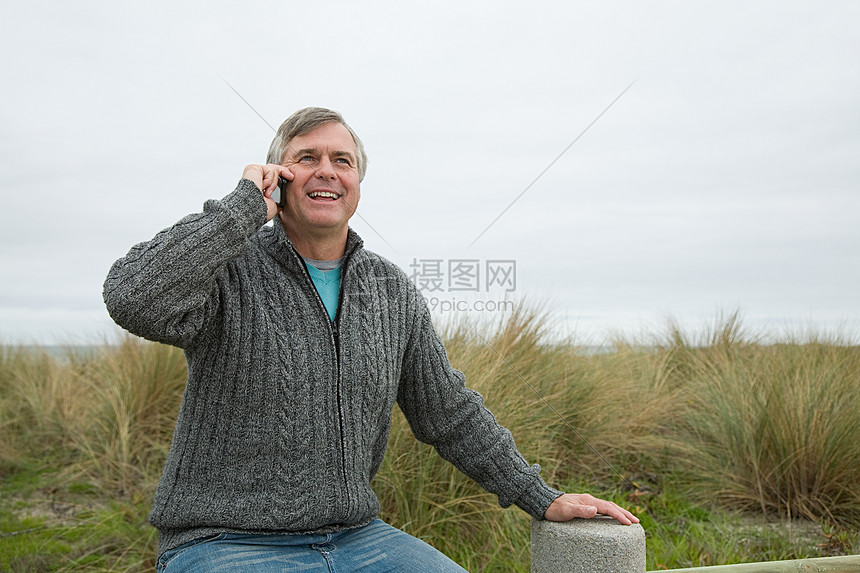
(597,545)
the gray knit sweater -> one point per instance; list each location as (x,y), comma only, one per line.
(285,416)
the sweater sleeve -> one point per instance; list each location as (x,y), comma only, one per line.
(164,289)
(441,411)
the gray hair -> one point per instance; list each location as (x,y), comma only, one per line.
(304,121)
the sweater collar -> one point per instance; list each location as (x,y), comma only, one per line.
(280,238)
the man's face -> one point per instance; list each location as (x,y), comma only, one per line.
(325,191)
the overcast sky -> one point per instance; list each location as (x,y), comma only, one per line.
(727,177)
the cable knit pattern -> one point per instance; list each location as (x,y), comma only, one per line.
(285,417)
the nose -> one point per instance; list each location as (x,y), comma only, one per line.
(325,169)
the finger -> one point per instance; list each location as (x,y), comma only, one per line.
(619,514)
(284,172)
(272,173)
(270,179)
(630,516)
(619,517)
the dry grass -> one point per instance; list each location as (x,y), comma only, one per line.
(772,427)
(110,412)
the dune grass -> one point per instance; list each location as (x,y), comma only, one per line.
(730,449)
(771,427)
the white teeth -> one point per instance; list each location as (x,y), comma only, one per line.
(328,194)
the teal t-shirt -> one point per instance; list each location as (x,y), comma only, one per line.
(326,277)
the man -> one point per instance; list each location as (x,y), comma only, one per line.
(299,342)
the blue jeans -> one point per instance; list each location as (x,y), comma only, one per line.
(375,548)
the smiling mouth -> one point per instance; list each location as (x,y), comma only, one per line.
(323,195)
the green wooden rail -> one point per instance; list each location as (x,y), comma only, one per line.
(846,564)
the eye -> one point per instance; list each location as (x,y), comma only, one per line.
(307,159)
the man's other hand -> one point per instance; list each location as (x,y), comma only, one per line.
(571,505)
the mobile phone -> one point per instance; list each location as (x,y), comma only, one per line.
(279,195)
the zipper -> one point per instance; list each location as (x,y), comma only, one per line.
(334,332)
